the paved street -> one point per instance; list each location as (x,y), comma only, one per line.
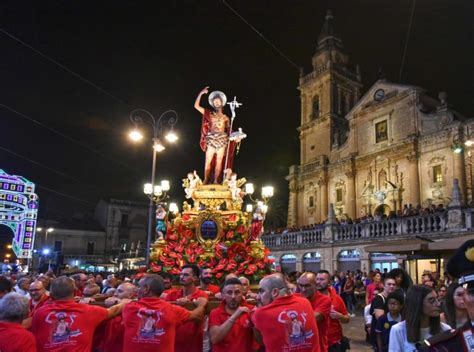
(355,332)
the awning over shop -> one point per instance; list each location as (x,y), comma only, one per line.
(406,246)
(449,244)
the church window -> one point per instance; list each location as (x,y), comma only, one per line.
(381,131)
(315,107)
(311,202)
(339,195)
(437,174)
(312,147)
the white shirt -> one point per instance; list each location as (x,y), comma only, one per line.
(398,337)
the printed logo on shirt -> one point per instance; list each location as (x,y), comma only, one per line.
(148,329)
(295,327)
(61,330)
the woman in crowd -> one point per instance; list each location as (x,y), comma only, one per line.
(337,284)
(371,288)
(348,294)
(456,312)
(422,320)
(402,279)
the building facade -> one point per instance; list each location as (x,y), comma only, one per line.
(372,153)
(369,155)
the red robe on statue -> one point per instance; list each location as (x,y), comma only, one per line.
(205,127)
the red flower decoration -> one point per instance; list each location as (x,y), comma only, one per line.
(232,217)
(230,234)
(186,217)
(241,229)
(251,269)
(156,268)
(219,275)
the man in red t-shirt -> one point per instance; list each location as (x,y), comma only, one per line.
(61,324)
(230,328)
(338,313)
(151,323)
(205,282)
(38,296)
(189,336)
(321,305)
(108,336)
(14,308)
(285,321)
(80,280)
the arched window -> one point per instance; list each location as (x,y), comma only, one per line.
(311,201)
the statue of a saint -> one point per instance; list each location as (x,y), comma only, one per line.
(215,131)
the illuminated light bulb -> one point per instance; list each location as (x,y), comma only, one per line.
(165,185)
(173,208)
(135,135)
(171,137)
(249,188)
(148,188)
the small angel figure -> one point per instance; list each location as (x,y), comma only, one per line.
(190,183)
(257,224)
(230,180)
(160,222)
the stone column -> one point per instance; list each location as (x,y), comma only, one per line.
(414,178)
(460,173)
(351,197)
(293,205)
(323,190)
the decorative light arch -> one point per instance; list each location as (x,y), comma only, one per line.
(19,211)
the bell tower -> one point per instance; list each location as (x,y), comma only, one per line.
(327,95)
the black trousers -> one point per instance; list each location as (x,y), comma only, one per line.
(337,347)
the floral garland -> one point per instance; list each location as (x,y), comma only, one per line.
(231,254)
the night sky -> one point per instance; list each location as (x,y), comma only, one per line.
(158,55)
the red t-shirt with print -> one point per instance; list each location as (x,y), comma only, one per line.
(287,324)
(15,338)
(240,336)
(322,304)
(65,325)
(189,336)
(335,327)
(150,325)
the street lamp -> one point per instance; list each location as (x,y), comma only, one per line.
(141,116)
(46,232)
(158,192)
(266,194)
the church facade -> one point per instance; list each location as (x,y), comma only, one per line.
(372,153)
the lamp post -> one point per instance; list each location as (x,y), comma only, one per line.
(141,116)
(266,193)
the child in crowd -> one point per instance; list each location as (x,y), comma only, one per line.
(385,323)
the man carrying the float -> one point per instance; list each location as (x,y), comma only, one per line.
(215,131)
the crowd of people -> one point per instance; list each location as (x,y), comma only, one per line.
(407,211)
(136,311)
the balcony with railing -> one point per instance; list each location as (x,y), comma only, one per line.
(430,225)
